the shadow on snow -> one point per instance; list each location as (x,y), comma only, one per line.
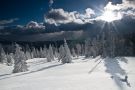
(116,71)
(29,72)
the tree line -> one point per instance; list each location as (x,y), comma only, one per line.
(92,47)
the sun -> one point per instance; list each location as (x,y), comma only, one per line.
(110,16)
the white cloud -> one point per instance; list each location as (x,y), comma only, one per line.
(33,24)
(89,13)
(58,16)
(3,22)
(126,8)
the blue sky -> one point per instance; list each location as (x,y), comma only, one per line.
(21,19)
(28,10)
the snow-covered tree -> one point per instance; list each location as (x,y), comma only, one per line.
(50,55)
(73,52)
(27,48)
(44,52)
(104,53)
(20,60)
(88,48)
(56,54)
(51,52)
(78,49)
(61,52)
(34,52)
(83,49)
(28,55)
(49,59)
(67,58)
(10,59)
(31,54)
(37,53)
(93,51)
(94,47)
(3,57)
(41,54)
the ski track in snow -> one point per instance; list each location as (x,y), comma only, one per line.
(82,74)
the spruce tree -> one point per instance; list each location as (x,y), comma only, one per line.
(51,52)
(50,55)
(20,60)
(78,49)
(10,59)
(61,52)
(67,55)
(28,55)
(44,52)
(3,57)
(88,45)
(73,52)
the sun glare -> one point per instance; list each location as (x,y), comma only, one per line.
(110,16)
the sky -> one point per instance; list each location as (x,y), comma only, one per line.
(26,17)
(28,10)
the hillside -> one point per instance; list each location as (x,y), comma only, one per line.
(82,74)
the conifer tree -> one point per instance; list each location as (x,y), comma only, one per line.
(10,59)
(50,55)
(67,54)
(3,57)
(73,52)
(20,60)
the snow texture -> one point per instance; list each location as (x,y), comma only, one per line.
(82,74)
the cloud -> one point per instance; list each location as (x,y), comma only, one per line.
(71,26)
(60,20)
(34,25)
(88,14)
(126,4)
(129,3)
(57,20)
(1,27)
(59,16)
(3,22)
(126,8)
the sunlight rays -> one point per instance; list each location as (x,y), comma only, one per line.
(109,14)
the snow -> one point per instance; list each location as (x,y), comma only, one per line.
(82,74)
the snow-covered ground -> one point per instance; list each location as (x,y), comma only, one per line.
(82,74)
